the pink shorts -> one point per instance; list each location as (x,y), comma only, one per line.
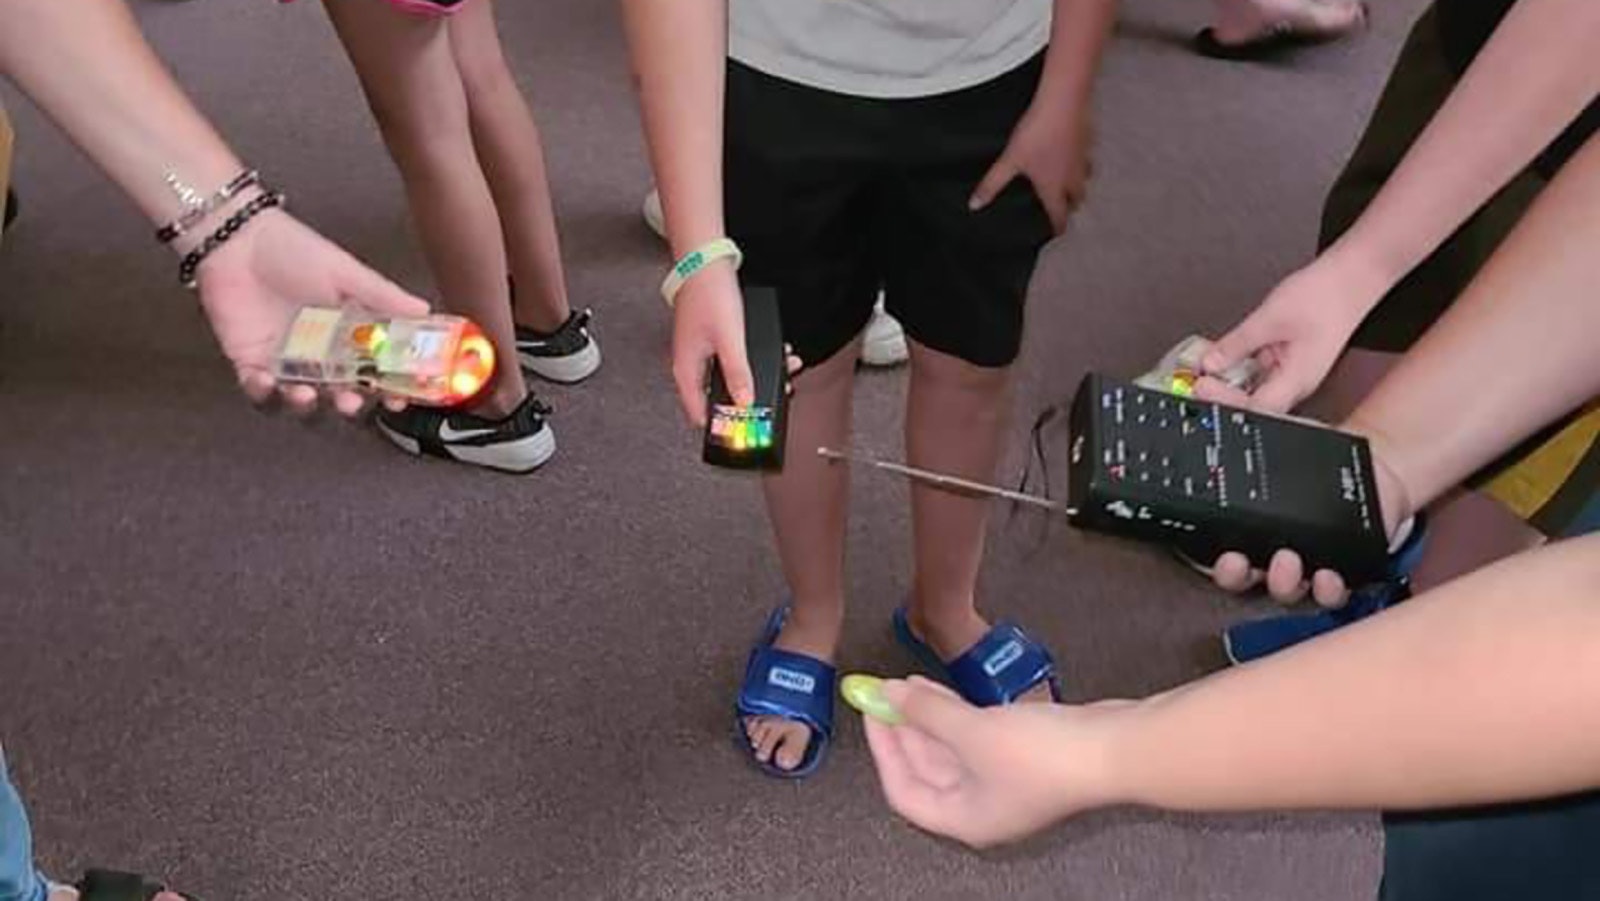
(431,8)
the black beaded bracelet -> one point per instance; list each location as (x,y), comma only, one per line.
(197,213)
(189,269)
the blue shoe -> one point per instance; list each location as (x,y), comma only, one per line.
(791,686)
(1003,666)
(1255,639)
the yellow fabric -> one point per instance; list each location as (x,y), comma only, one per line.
(1530,483)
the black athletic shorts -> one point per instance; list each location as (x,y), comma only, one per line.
(834,197)
(1542,851)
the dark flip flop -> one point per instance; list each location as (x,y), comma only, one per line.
(1274,42)
(109,885)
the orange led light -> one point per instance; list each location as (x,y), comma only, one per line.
(473,365)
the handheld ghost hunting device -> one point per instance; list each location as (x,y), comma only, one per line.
(436,360)
(752,437)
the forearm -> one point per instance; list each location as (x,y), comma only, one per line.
(86,65)
(1514,353)
(1079,30)
(680,51)
(1480,691)
(1532,79)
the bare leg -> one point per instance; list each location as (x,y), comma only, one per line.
(955,421)
(807,505)
(1467,531)
(409,74)
(512,156)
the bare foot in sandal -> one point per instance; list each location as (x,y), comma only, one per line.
(1245,27)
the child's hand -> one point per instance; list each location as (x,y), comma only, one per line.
(1049,147)
(253,286)
(1297,334)
(985,776)
(1285,575)
(709,324)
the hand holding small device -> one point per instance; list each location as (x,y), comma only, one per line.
(753,436)
(436,360)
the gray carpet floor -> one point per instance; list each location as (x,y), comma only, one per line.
(280,660)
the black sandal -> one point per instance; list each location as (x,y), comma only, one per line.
(109,885)
(1274,42)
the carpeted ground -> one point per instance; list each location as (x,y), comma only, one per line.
(276,660)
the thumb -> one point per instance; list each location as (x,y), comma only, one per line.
(735,363)
(941,715)
(994,181)
(1249,336)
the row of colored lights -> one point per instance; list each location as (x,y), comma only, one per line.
(748,434)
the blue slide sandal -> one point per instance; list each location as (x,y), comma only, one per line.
(787,685)
(1003,666)
(1258,638)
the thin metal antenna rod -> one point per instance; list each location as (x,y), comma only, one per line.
(945,481)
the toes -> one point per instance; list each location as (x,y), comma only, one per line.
(778,741)
(765,737)
(793,739)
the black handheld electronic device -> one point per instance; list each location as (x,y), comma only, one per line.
(752,437)
(1206,478)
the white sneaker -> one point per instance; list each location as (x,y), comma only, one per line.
(653,215)
(884,343)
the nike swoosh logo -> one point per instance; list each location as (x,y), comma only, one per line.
(447,433)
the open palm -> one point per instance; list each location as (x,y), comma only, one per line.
(252,287)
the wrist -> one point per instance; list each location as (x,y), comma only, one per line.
(716,278)
(1364,272)
(1394,491)
(1114,761)
(196,234)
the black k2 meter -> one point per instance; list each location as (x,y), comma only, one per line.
(1207,479)
(752,437)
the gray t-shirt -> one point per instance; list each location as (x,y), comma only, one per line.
(887,48)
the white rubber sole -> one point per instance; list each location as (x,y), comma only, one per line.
(653,214)
(521,457)
(568,370)
(1227,649)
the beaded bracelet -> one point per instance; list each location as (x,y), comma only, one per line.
(189,269)
(200,209)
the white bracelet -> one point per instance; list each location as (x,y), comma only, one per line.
(696,260)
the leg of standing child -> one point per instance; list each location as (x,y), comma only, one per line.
(955,418)
(512,156)
(409,72)
(807,504)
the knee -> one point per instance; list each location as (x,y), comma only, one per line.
(421,141)
(486,76)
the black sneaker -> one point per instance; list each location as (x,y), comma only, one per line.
(568,355)
(520,443)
